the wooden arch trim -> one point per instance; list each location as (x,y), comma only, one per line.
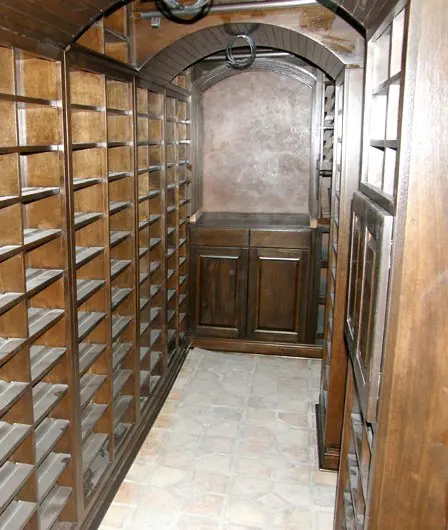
(168,63)
(296,72)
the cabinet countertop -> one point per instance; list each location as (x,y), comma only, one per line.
(273,221)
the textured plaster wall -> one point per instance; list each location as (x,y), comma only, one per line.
(256,151)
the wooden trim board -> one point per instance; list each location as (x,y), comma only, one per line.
(265,348)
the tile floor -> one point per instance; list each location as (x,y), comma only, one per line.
(234,448)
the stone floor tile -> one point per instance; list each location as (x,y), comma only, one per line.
(324,478)
(190,522)
(245,512)
(146,519)
(118,515)
(140,469)
(164,476)
(129,493)
(323,521)
(233,448)
(293,519)
(208,505)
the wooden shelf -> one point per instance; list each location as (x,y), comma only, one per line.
(87,322)
(117,206)
(45,397)
(47,435)
(9,347)
(91,448)
(18,514)
(38,279)
(117,266)
(43,359)
(83,219)
(12,477)
(11,436)
(118,295)
(10,393)
(120,379)
(53,506)
(86,254)
(48,473)
(121,407)
(9,300)
(119,324)
(87,288)
(88,355)
(155,334)
(118,236)
(119,352)
(90,384)
(41,320)
(35,237)
(90,417)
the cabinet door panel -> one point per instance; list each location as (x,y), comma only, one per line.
(278,281)
(219,291)
(367,297)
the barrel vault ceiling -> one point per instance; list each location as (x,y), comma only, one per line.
(56,23)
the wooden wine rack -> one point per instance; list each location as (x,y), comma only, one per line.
(94,204)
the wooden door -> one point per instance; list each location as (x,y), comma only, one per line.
(219,291)
(367,297)
(278,287)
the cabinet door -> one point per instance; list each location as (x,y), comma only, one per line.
(367,297)
(278,287)
(219,291)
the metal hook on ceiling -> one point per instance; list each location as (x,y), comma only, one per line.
(175,10)
(241,64)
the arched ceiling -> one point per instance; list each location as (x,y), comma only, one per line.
(167,64)
(57,23)
(294,71)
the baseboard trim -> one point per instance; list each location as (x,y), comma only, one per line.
(309,351)
(118,471)
(328,459)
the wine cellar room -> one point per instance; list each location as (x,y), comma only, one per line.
(223,265)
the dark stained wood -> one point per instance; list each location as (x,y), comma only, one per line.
(253,220)
(223,237)
(278,290)
(281,238)
(334,365)
(278,279)
(264,348)
(410,474)
(370,256)
(218,291)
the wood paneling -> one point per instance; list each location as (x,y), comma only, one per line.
(409,489)
(278,281)
(219,284)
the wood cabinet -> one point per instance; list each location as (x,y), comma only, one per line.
(252,281)
(278,294)
(219,283)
